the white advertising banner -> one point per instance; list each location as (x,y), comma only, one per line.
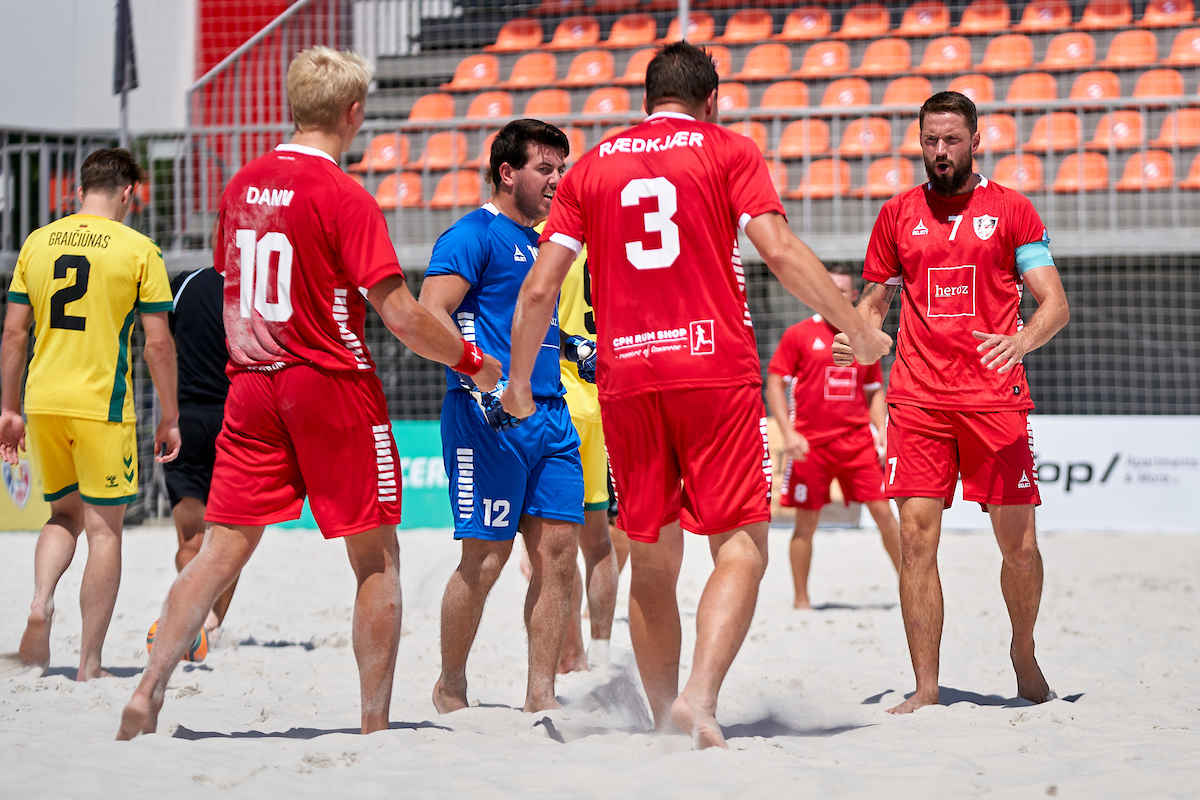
(1109,474)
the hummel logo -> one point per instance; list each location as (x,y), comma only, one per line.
(1024,482)
(517,254)
(818,344)
(128,460)
(920,230)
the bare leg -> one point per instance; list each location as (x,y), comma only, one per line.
(101,580)
(53,554)
(800,554)
(921,595)
(375,558)
(654,617)
(572,657)
(889,529)
(722,620)
(188,514)
(462,606)
(551,544)
(221,558)
(1021,583)
(600,561)
(620,543)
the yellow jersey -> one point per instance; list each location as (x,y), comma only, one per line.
(85,276)
(576,318)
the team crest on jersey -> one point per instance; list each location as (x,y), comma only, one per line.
(518,255)
(920,229)
(18,480)
(985,226)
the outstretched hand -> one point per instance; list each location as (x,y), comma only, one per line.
(12,436)
(1000,350)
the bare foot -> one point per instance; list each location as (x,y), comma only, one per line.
(140,716)
(802,605)
(918,700)
(576,662)
(211,622)
(702,727)
(445,700)
(91,674)
(1031,684)
(541,704)
(35,641)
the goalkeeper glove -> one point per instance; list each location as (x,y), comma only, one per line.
(583,352)
(493,410)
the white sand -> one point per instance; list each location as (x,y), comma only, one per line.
(274,707)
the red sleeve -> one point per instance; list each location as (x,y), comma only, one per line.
(786,361)
(873,375)
(366,248)
(218,244)
(751,190)
(1029,226)
(882,263)
(566,214)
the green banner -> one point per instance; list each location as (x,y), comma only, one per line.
(425,502)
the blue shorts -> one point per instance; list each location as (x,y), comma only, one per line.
(496,476)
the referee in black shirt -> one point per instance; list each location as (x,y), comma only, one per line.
(199,331)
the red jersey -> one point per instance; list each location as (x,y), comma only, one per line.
(827,400)
(297,238)
(659,207)
(955,259)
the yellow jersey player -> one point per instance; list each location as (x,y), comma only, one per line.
(79,281)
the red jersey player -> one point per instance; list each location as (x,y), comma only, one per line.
(305,412)
(659,207)
(827,435)
(961,248)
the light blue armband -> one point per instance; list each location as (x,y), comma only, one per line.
(1034,255)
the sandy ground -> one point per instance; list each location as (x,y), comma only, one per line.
(274,708)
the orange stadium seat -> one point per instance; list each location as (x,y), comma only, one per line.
(754,131)
(825,59)
(1056,130)
(946,54)
(701,28)
(1167,13)
(866,136)
(577,139)
(1185,50)
(910,90)
(385,152)
(1180,129)
(824,178)
(635,68)
(984,16)
(474,72)
(1192,181)
(589,68)
(1032,87)
(575,33)
(887,176)
(632,30)
(732,97)
(1150,171)
(485,153)
(548,103)
(784,94)
(1011,52)
(517,36)
(804,23)
(804,137)
(1102,15)
(845,92)
(1021,172)
(1044,16)
(997,133)
(865,21)
(766,62)
(558,8)
(1122,129)
(1159,83)
(1082,172)
(614,6)
(490,106)
(925,18)
(979,88)
(1134,48)
(910,145)
(399,190)
(779,176)
(748,26)
(533,71)
(723,58)
(1096,85)
(1073,50)
(443,150)
(610,100)
(459,189)
(889,56)
(431,107)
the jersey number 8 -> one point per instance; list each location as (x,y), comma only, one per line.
(264,262)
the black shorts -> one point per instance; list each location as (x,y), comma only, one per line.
(190,474)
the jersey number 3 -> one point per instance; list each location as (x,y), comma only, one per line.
(659,222)
(266,264)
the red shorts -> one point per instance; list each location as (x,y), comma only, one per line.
(928,448)
(699,456)
(851,459)
(303,431)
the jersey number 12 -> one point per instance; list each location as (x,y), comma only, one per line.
(266,263)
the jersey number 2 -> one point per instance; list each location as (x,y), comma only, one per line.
(59,318)
(653,222)
(266,263)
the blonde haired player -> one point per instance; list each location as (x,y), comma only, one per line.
(80,281)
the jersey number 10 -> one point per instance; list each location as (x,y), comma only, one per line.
(265,263)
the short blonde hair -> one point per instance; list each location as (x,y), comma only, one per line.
(322,83)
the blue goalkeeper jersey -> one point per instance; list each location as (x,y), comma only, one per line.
(493,254)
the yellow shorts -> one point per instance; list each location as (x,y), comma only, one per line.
(584,406)
(97,459)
